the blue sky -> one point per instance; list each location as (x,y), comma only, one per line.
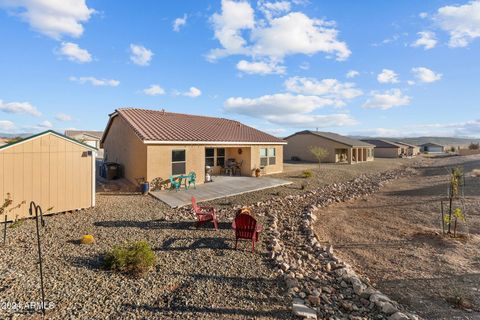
(389,68)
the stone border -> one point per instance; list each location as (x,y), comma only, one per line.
(328,263)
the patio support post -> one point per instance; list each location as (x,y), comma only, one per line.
(349,155)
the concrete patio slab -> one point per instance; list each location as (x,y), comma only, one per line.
(221,187)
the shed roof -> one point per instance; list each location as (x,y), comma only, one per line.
(379,143)
(406,144)
(335,137)
(8,145)
(159,126)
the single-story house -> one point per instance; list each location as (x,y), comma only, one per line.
(49,168)
(91,138)
(431,147)
(386,149)
(152,144)
(340,149)
(410,149)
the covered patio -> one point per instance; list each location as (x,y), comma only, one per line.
(221,187)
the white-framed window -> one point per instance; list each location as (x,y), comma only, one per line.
(271,156)
(209,157)
(178,162)
(221,157)
(263,157)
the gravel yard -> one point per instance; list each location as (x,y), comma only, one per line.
(394,238)
(199,275)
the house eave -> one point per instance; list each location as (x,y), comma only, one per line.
(233,143)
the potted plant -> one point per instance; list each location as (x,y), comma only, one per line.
(144,185)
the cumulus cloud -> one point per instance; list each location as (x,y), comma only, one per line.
(461,22)
(319,121)
(352,74)
(387,76)
(179,22)
(140,55)
(387,99)
(7,126)
(19,108)
(63,117)
(427,40)
(260,67)
(95,82)
(154,90)
(332,89)
(74,53)
(277,37)
(45,125)
(193,92)
(52,18)
(426,75)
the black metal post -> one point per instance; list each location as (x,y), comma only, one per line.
(38,210)
(5,232)
(443,219)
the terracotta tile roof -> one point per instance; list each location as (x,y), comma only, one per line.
(157,125)
(336,137)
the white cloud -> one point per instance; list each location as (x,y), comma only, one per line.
(275,104)
(95,82)
(7,126)
(426,75)
(52,18)
(154,90)
(74,53)
(19,108)
(387,76)
(331,89)
(140,55)
(313,120)
(304,65)
(193,92)
(423,15)
(45,125)
(179,22)
(228,26)
(469,128)
(275,38)
(426,39)
(63,117)
(275,131)
(352,74)
(273,9)
(461,22)
(386,100)
(260,67)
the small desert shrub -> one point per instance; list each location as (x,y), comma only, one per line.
(135,258)
(307,174)
(474,146)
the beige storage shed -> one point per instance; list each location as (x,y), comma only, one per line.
(50,169)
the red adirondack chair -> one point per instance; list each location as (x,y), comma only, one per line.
(246,227)
(204,214)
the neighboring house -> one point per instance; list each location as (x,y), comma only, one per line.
(49,168)
(386,149)
(340,148)
(431,147)
(92,138)
(410,149)
(152,143)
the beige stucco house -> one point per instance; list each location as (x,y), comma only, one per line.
(154,143)
(92,138)
(340,149)
(410,149)
(386,149)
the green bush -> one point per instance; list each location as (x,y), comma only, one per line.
(307,174)
(135,258)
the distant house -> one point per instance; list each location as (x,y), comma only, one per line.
(153,143)
(410,149)
(431,147)
(340,149)
(92,138)
(386,149)
(49,168)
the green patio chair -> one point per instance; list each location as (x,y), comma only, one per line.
(191,179)
(175,183)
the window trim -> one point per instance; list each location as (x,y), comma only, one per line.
(175,162)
